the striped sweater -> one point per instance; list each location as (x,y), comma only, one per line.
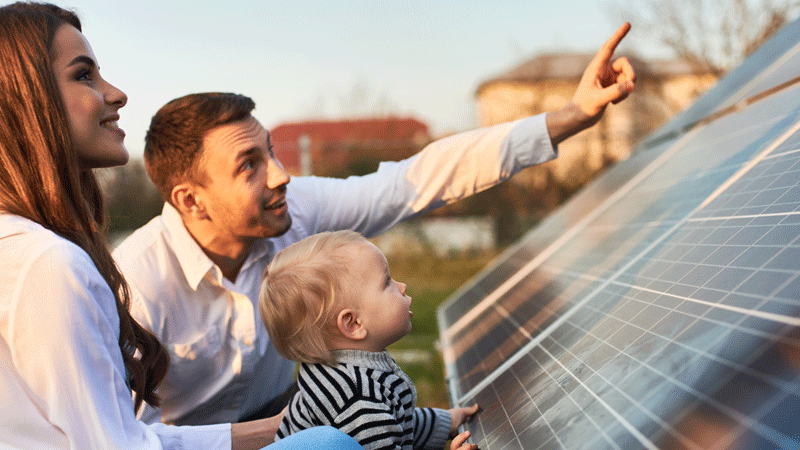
(367,396)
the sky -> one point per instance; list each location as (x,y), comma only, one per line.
(328,59)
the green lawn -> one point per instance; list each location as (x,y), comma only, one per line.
(430,281)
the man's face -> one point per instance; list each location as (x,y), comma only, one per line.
(244,192)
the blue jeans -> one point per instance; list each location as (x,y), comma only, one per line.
(317,438)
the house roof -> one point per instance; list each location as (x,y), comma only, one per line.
(570,66)
(390,132)
(386,129)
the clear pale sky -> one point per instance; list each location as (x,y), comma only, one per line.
(325,58)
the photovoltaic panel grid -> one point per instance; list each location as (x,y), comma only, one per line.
(660,307)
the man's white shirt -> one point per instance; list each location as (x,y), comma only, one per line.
(223,366)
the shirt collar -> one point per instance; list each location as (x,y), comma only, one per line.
(371,360)
(263,248)
(193,261)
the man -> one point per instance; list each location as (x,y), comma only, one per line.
(195,270)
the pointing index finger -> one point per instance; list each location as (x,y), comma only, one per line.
(611,44)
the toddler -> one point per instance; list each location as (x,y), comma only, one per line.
(329,302)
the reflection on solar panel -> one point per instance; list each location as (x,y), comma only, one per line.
(660,308)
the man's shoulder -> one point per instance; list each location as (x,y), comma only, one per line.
(152,270)
(143,248)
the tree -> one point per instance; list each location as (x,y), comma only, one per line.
(131,198)
(714,35)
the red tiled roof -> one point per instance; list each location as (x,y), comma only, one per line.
(350,130)
(386,132)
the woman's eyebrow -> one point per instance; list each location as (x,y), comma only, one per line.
(82,59)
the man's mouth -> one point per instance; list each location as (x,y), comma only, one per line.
(278,208)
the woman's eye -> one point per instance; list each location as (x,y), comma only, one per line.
(84,75)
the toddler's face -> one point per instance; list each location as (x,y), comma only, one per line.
(382,302)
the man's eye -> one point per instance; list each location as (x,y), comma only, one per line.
(250,167)
(84,75)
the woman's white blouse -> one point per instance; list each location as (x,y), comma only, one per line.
(62,379)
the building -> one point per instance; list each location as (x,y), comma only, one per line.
(548,81)
(347,147)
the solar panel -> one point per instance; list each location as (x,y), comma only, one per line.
(666,315)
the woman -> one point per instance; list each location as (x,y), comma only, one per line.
(70,354)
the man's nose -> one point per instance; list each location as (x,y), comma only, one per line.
(276,174)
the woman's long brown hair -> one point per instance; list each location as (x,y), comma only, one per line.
(41,178)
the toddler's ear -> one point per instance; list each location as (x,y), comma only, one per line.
(350,325)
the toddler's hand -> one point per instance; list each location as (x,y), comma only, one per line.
(460,415)
(460,442)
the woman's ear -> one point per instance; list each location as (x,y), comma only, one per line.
(350,325)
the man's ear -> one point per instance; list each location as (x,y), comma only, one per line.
(350,325)
(185,198)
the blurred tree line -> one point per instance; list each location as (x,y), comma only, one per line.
(131,197)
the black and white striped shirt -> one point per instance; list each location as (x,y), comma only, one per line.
(367,396)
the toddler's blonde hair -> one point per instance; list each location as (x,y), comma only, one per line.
(302,292)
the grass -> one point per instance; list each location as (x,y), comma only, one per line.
(431,280)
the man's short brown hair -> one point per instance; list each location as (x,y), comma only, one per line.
(174,141)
